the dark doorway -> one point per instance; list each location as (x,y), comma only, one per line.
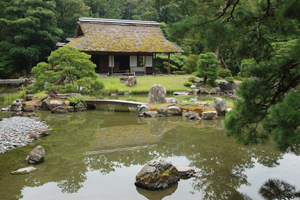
(121,63)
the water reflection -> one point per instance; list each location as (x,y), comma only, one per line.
(278,189)
(157,195)
(106,142)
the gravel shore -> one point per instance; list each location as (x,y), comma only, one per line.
(13,132)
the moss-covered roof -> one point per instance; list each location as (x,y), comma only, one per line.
(121,36)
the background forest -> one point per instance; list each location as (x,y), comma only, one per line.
(30,29)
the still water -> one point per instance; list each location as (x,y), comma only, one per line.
(96,155)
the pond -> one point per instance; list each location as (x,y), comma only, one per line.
(97,154)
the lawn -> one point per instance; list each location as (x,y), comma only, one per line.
(144,83)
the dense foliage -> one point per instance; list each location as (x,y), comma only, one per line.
(68,70)
(208,67)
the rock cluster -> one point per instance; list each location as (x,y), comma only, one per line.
(15,132)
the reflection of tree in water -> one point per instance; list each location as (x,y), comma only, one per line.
(278,189)
(220,160)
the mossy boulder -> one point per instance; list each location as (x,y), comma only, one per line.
(157,174)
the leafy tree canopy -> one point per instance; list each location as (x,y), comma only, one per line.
(67,70)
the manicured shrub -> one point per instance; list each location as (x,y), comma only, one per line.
(188,84)
(192,79)
(229,79)
(224,73)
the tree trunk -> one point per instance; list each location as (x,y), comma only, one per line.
(224,63)
(60,80)
(205,79)
(238,64)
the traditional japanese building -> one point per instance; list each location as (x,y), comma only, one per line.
(122,46)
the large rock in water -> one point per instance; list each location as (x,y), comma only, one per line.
(157,94)
(36,156)
(157,174)
(219,105)
(16,105)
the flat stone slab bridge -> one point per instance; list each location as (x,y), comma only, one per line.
(114,102)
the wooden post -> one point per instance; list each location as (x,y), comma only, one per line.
(112,66)
(145,66)
(154,70)
(169,69)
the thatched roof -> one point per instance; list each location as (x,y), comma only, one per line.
(110,35)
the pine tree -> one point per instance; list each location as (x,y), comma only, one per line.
(30,30)
(67,70)
(208,67)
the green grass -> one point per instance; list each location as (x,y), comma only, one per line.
(144,83)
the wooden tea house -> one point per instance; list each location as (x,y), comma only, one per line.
(122,46)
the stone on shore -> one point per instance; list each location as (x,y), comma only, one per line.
(157,174)
(42,131)
(219,105)
(157,95)
(151,114)
(191,115)
(17,114)
(140,110)
(209,115)
(172,100)
(33,134)
(174,110)
(16,105)
(59,110)
(29,108)
(36,156)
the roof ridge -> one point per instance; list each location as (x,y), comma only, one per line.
(121,21)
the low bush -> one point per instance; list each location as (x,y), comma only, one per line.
(229,79)
(238,78)
(74,101)
(188,84)
(192,79)
(224,73)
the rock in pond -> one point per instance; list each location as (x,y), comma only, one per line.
(186,172)
(24,170)
(174,110)
(209,115)
(157,174)
(140,110)
(151,114)
(219,105)
(157,94)
(36,156)
(16,105)
(59,110)
(191,115)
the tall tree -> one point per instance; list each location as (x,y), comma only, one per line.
(250,28)
(30,31)
(67,14)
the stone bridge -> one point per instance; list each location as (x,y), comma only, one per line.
(114,102)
